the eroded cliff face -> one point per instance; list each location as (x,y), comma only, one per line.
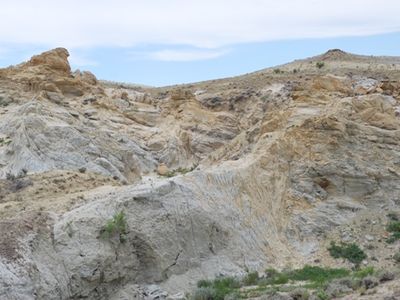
(264,170)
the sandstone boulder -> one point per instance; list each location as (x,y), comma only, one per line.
(56,59)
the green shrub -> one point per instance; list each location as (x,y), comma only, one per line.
(363,272)
(320,64)
(321,295)
(204,283)
(204,293)
(278,71)
(179,171)
(233,296)
(317,274)
(251,278)
(280,278)
(396,257)
(5,141)
(300,294)
(393,216)
(394,228)
(351,252)
(116,226)
(224,286)
(220,287)
(271,272)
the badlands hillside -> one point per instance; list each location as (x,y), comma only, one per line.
(114,191)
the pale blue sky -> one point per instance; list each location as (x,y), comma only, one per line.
(158,42)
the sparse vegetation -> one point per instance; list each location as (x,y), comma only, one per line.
(394,229)
(204,293)
(350,252)
(15,183)
(317,274)
(320,64)
(396,257)
(218,288)
(300,294)
(5,141)
(69,230)
(323,283)
(362,273)
(4,101)
(116,226)
(278,71)
(393,216)
(179,171)
(321,294)
(251,278)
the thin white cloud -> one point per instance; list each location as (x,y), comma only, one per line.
(185,55)
(197,23)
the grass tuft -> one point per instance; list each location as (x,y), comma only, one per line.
(115,226)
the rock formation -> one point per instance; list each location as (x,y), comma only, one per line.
(115,192)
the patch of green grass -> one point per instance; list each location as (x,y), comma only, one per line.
(362,273)
(204,293)
(115,226)
(220,287)
(394,229)
(317,274)
(251,278)
(204,283)
(321,294)
(280,278)
(351,252)
(313,278)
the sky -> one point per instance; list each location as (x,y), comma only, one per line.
(164,42)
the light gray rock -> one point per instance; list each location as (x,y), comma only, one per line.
(44,138)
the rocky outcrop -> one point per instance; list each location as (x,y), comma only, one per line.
(55,60)
(111,192)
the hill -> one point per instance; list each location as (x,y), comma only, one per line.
(113,191)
